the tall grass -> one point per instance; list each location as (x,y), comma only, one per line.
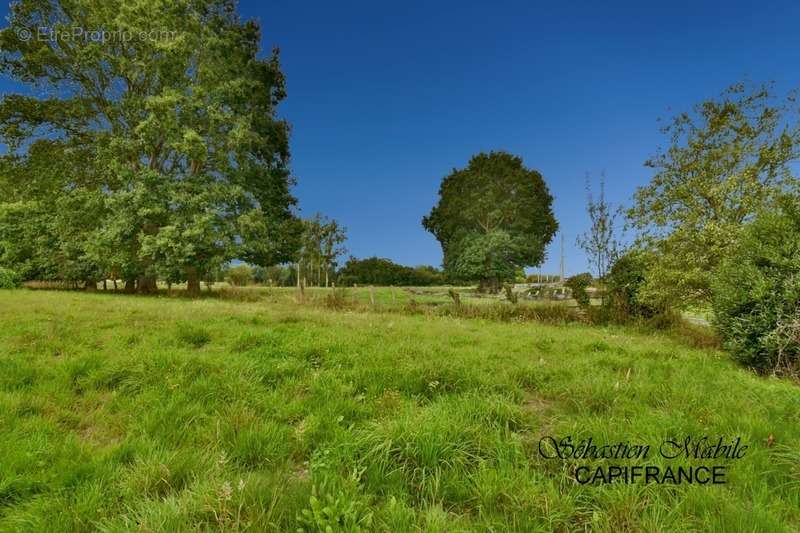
(167,414)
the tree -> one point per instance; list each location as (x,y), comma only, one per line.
(492,218)
(321,246)
(600,242)
(143,153)
(757,292)
(727,160)
(333,237)
(240,275)
(276,275)
(378,271)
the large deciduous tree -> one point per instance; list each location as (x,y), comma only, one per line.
(727,160)
(493,217)
(147,148)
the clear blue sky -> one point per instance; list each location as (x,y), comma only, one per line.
(385,98)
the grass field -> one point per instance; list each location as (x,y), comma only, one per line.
(168,414)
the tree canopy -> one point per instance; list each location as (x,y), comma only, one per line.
(141,154)
(321,246)
(727,160)
(379,271)
(493,218)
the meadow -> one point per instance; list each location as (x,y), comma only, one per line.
(267,413)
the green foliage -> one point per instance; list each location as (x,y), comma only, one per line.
(328,513)
(725,161)
(193,335)
(578,284)
(277,275)
(240,275)
(141,157)
(493,218)
(624,284)
(322,245)
(757,292)
(378,271)
(487,257)
(600,242)
(8,279)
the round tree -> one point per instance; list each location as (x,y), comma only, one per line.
(493,218)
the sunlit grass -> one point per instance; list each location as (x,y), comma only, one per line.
(159,413)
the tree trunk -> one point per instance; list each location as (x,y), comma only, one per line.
(115,284)
(90,285)
(105,285)
(147,284)
(192,281)
(489,285)
(130,285)
(326,277)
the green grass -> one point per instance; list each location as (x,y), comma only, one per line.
(168,414)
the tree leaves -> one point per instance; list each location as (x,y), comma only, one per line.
(492,218)
(165,134)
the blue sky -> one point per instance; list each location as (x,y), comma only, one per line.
(385,98)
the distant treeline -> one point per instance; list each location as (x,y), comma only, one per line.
(379,271)
(370,271)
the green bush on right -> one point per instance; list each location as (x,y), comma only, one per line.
(756,292)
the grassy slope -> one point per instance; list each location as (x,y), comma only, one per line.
(123,412)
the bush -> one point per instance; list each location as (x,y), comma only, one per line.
(756,292)
(8,279)
(624,283)
(239,275)
(578,284)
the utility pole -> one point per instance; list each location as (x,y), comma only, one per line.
(562,257)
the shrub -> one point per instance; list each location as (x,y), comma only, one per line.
(240,275)
(8,279)
(624,283)
(578,284)
(756,292)
(511,296)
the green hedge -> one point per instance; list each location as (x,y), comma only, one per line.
(757,292)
